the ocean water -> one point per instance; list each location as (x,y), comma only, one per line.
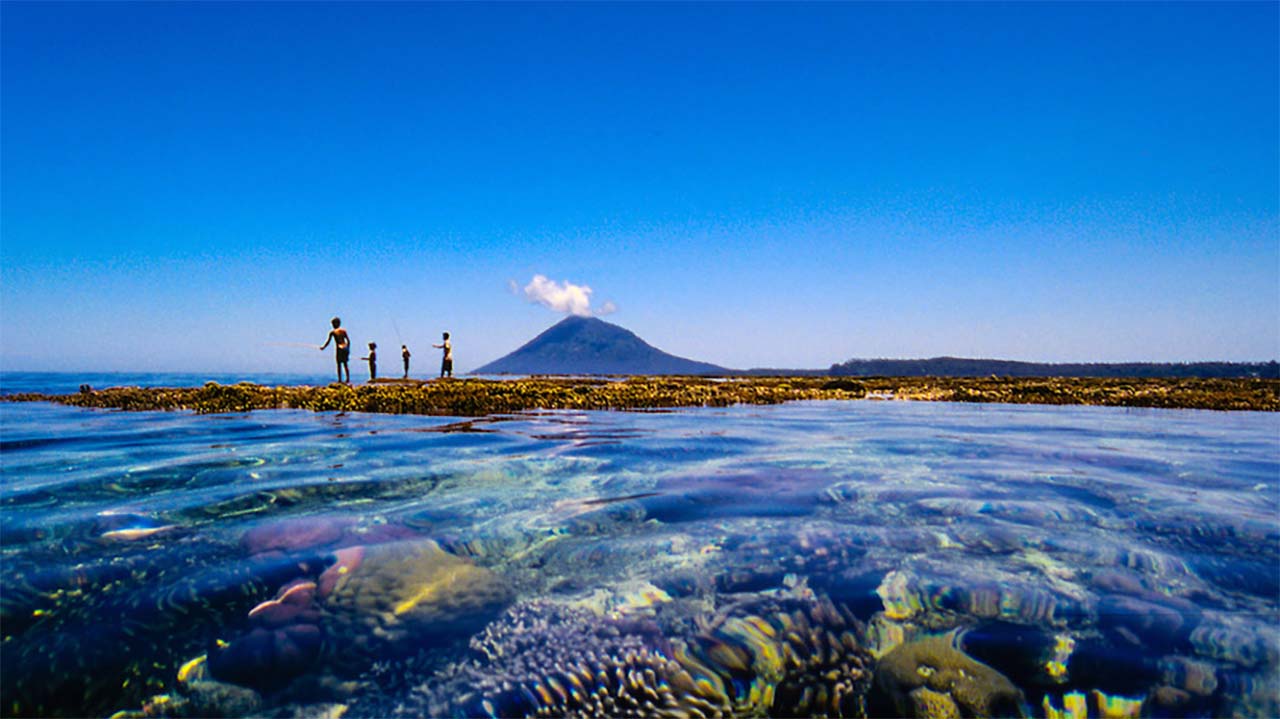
(69,382)
(778,560)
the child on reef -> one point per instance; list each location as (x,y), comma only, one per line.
(342,347)
(404,355)
(446,364)
(373,361)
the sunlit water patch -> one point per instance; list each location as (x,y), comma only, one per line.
(837,558)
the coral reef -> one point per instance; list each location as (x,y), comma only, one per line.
(764,655)
(803,656)
(544,659)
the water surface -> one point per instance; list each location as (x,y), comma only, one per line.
(1127,554)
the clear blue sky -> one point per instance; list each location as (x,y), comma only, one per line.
(190,186)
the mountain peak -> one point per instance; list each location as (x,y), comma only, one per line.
(579,321)
(589,345)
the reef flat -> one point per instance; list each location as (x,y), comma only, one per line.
(479,397)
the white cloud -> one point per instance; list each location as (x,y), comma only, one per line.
(564,297)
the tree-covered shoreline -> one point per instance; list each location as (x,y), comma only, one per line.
(966,367)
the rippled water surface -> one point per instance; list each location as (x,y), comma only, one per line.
(774,560)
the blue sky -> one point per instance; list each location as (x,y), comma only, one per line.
(194,186)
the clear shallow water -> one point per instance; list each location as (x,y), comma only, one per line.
(1132,553)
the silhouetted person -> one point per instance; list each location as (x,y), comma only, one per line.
(446,364)
(372,359)
(404,355)
(342,347)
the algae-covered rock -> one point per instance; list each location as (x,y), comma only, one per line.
(954,682)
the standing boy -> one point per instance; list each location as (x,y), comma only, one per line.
(373,361)
(446,365)
(342,347)
(404,355)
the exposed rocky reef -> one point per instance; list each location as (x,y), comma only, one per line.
(477,397)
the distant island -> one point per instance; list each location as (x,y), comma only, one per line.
(591,346)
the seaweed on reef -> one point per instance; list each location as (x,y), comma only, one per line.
(477,397)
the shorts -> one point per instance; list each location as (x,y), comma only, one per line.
(343,354)
(446,366)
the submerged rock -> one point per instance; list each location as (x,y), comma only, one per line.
(373,602)
(392,598)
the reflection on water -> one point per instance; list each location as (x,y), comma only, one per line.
(812,558)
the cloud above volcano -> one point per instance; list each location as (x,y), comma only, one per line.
(563,297)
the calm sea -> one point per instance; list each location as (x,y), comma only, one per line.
(69,382)
(786,559)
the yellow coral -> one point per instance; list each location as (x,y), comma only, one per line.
(1074,706)
(1117,707)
